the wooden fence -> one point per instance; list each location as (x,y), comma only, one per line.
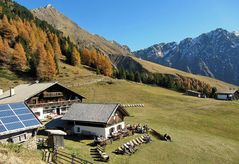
(132,105)
(63,157)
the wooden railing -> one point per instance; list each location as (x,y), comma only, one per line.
(58,103)
(52,94)
(63,157)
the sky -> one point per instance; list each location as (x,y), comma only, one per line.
(142,23)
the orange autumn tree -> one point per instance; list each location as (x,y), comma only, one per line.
(86,56)
(19,60)
(5,51)
(97,60)
(56,46)
(46,68)
(75,57)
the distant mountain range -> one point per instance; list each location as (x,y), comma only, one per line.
(214,54)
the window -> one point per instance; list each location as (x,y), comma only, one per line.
(19,138)
(112,130)
(78,129)
(119,127)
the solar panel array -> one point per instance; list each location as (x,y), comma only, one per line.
(16,116)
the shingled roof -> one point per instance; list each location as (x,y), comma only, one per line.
(226,91)
(24,92)
(96,113)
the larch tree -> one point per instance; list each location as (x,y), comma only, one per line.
(75,57)
(5,51)
(5,22)
(19,60)
(46,68)
(56,46)
(2,54)
(86,56)
(51,66)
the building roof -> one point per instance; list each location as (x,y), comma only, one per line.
(96,113)
(56,132)
(16,117)
(24,92)
(226,92)
(192,91)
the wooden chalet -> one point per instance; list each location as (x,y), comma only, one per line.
(227,95)
(195,94)
(44,99)
(95,119)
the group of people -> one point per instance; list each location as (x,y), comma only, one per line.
(100,140)
(138,128)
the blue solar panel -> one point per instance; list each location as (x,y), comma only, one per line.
(14,126)
(16,116)
(6,113)
(31,122)
(2,128)
(21,111)
(26,116)
(17,105)
(4,107)
(6,120)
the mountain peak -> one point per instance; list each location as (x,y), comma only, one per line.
(49,6)
(236,33)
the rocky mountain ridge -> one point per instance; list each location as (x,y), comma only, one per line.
(214,54)
(77,34)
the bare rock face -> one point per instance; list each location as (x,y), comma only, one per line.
(78,35)
(214,54)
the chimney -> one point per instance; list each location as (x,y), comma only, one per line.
(1,92)
(12,92)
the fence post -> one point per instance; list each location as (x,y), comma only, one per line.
(55,154)
(72,160)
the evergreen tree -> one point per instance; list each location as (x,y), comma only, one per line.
(137,77)
(98,71)
(131,76)
(213,92)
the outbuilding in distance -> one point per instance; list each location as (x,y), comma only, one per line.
(195,94)
(227,95)
(55,138)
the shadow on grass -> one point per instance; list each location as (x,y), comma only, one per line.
(78,138)
(10,74)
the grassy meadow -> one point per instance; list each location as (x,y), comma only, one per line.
(203,130)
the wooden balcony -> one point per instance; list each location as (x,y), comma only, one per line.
(52,94)
(58,103)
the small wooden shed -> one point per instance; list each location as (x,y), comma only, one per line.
(55,138)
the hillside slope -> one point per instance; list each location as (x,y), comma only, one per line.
(78,35)
(214,54)
(157,68)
